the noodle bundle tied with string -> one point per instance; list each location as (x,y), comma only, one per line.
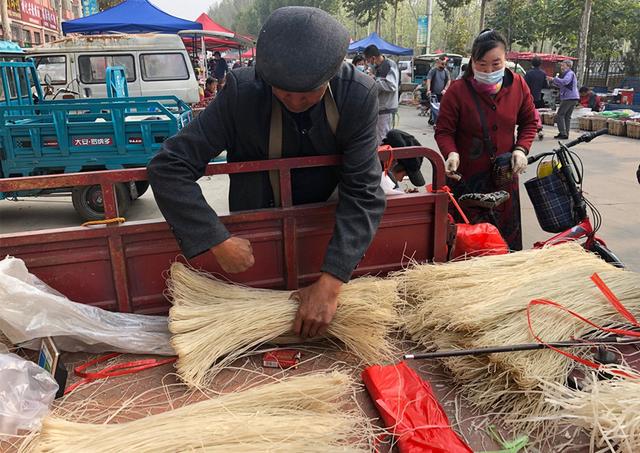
(483,302)
(302,413)
(213,323)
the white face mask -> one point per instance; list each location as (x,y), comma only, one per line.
(489,78)
(360,67)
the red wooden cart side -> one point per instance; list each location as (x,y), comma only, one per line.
(123,267)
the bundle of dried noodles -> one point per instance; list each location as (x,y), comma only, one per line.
(482,302)
(607,409)
(214,323)
(297,414)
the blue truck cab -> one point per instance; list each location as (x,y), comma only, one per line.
(45,137)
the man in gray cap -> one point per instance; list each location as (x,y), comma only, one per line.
(299,99)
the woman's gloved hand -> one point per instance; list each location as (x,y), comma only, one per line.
(452,163)
(518,161)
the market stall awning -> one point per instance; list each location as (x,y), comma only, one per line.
(384,46)
(528,56)
(215,36)
(130,16)
(214,40)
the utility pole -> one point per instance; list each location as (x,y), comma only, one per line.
(582,42)
(59,13)
(483,6)
(6,22)
(429,17)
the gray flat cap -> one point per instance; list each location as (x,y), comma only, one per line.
(300,48)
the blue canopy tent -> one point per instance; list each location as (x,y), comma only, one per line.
(384,46)
(130,16)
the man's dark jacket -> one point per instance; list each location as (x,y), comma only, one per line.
(238,121)
(536,78)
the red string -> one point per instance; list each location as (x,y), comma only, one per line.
(615,302)
(447,190)
(119,369)
(389,162)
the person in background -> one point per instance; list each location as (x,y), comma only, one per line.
(210,87)
(494,95)
(387,77)
(568,85)
(536,79)
(402,168)
(220,67)
(439,78)
(589,99)
(360,63)
(463,69)
(236,65)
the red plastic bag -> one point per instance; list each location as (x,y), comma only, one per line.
(409,408)
(478,240)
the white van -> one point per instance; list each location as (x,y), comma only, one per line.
(155,64)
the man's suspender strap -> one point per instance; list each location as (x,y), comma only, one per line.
(275,135)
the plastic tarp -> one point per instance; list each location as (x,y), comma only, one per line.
(384,46)
(411,411)
(31,310)
(130,16)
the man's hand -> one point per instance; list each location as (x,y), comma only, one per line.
(318,304)
(234,255)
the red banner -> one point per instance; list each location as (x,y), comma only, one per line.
(38,15)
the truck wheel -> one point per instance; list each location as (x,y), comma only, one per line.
(141,187)
(88,202)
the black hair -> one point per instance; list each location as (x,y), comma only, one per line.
(487,40)
(536,62)
(217,53)
(372,51)
(463,68)
(210,80)
(357,59)
(584,89)
(442,58)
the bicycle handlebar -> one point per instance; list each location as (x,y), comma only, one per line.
(584,138)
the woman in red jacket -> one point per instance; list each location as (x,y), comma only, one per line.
(505,101)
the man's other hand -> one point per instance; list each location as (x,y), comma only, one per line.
(318,304)
(234,255)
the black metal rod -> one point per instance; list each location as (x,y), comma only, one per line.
(520,347)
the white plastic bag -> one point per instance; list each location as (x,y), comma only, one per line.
(26,391)
(389,186)
(31,310)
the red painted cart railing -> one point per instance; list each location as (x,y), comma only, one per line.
(123,267)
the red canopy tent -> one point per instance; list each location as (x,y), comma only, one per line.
(251,53)
(218,37)
(549,60)
(212,37)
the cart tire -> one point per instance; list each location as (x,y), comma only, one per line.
(88,202)
(141,187)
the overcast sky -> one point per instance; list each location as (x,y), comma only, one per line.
(185,9)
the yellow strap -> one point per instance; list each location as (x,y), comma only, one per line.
(275,135)
(104,222)
(275,147)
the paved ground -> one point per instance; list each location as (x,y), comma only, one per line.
(610,164)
